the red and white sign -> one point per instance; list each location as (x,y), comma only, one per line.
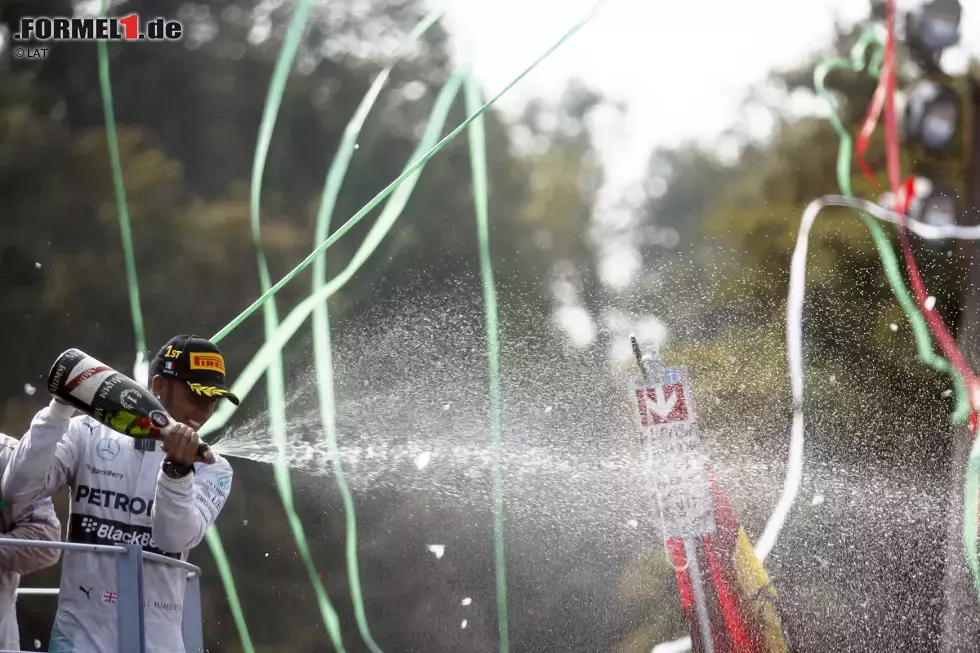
(676,454)
(663,404)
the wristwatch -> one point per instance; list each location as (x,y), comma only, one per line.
(176,470)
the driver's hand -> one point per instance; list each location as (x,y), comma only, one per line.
(180,442)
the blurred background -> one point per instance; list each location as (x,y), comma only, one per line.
(649,177)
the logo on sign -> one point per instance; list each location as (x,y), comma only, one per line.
(662,404)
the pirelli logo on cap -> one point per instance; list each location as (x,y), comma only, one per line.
(213,362)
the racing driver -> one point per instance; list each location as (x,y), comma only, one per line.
(37,521)
(129,489)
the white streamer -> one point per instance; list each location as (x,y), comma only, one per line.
(794,346)
(794,338)
(681,645)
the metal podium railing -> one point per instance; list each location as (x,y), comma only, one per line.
(129,591)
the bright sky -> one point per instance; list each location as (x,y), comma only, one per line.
(706,53)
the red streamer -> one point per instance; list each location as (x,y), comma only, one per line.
(869,125)
(902,200)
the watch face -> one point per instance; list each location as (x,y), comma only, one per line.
(176,470)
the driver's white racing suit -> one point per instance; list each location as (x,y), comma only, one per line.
(118,493)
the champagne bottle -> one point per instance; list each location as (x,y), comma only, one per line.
(112,398)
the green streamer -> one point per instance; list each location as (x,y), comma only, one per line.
(920,330)
(231,592)
(256,367)
(478,162)
(211,535)
(112,139)
(276,384)
(271,357)
(357,217)
(323,354)
(889,260)
(217,549)
(260,362)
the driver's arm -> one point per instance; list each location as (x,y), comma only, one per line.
(183,508)
(36,521)
(44,461)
